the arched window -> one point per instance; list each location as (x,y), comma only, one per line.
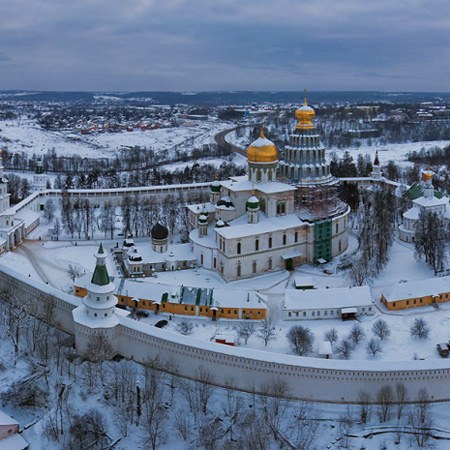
(269,175)
(238,269)
(296,236)
(340,246)
(238,248)
(254,266)
(270,263)
(258,175)
(270,241)
(284,239)
(257,245)
(214,263)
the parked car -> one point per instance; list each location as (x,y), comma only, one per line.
(161,323)
(443,349)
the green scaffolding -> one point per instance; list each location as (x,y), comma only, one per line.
(322,240)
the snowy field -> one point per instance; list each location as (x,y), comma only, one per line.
(26,135)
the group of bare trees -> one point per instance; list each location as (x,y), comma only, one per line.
(412,416)
(137,216)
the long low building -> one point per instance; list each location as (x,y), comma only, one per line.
(214,303)
(327,303)
(416,293)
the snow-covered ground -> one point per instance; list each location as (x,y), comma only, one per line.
(50,261)
(389,152)
(25,135)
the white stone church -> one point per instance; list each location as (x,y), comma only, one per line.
(284,213)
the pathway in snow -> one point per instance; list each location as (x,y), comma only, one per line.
(30,256)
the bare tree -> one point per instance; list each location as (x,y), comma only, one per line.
(373,346)
(255,434)
(88,431)
(331,336)
(274,405)
(385,398)
(345,348)
(381,329)
(155,413)
(420,328)
(266,331)
(359,271)
(74,272)
(204,387)
(233,407)
(357,334)
(401,397)
(245,330)
(304,426)
(182,424)
(49,210)
(301,339)
(420,418)
(364,402)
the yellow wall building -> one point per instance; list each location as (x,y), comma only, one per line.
(183,300)
(416,293)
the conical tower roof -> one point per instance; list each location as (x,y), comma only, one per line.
(100,276)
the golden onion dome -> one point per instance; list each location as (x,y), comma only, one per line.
(262,150)
(427,175)
(305,115)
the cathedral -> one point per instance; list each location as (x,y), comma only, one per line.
(283,213)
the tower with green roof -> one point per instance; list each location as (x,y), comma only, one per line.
(97,316)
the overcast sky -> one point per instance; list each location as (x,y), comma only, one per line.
(187,45)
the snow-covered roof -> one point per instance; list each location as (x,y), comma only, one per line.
(431,201)
(7,420)
(325,348)
(181,252)
(266,225)
(80,316)
(412,213)
(416,289)
(295,299)
(300,280)
(208,241)
(271,187)
(14,442)
(28,216)
(139,288)
(200,208)
(237,299)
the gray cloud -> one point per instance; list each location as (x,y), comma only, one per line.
(226,44)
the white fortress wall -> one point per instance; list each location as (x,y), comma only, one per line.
(247,369)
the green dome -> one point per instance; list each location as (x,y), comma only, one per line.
(202,218)
(220,224)
(253,202)
(215,186)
